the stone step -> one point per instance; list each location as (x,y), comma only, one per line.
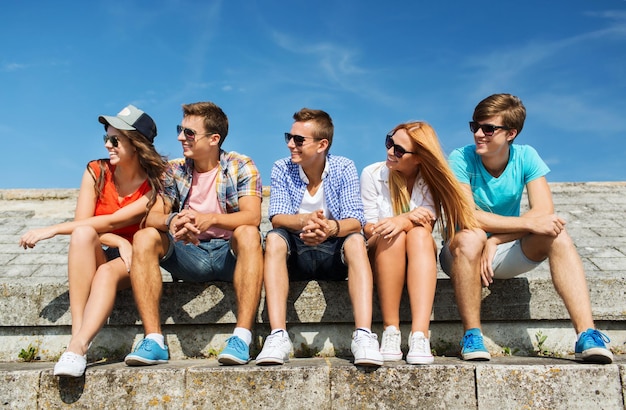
(329,383)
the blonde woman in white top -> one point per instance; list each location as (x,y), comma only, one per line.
(403,198)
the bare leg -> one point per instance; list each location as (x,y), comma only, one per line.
(110,277)
(360,280)
(149,246)
(276,280)
(389,272)
(248,276)
(466,249)
(567,272)
(421,277)
(84,256)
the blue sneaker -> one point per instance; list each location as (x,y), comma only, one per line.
(147,352)
(473,346)
(235,352)
(590,347)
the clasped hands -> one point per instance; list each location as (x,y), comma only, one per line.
(316,228)
(185,227)
(388,228)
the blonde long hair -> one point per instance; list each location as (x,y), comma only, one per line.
(445,189)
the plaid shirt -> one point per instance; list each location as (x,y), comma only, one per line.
(237,176)
(341,189)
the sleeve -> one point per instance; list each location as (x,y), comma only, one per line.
(534,166)
(280,197)
(369,194)
(170,189)
(350,201)
(460,165)
(249,179)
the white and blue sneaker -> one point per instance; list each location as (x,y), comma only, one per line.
(147,352)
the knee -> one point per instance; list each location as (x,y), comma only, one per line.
(146,241)
(468,243)
(275,244)
(419,236)
(246,237)
(354,245)
(83,235)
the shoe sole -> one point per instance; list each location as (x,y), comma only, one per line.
(476,356)
(368,362)
(392,357)
(420,360)
(63,373)
(230,360)
(599,356)
(271,361)
(140,361)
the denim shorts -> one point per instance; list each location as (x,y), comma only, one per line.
(508,262)
(322,262)
(111,253)
(209,261)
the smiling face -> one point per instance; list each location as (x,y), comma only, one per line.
(408,163)
(496,145)
(202,143)
(311,149)
(124,150)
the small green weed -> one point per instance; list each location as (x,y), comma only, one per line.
(507,351)
(29,355)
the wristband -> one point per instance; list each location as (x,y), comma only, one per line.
(168,221)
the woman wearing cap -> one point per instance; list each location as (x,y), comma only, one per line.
(114,199)
(402,199)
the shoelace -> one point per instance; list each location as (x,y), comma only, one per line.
(145,345)
(275,339)
(390,338)
(236,343)
(597,336)
(362,337)
(471,341)
(418,343)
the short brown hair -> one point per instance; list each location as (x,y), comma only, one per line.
(324,124)
(508,106)
(215,121)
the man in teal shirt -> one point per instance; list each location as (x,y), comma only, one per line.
(494,172)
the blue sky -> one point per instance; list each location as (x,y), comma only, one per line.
(369,64)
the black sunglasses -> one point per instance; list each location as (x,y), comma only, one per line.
(190,135)
(488,129)
(398,151)
(114,140)
(298,140)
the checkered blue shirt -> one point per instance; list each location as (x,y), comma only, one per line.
(341,189)
(237,176)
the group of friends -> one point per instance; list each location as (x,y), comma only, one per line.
(198,217)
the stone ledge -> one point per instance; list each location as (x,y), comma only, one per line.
(322,384)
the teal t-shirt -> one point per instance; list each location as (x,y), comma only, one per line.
(501,195)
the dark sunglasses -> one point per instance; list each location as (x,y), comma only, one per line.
(114,140)
(190,135)
(488,129)
(298,140)
(398,151)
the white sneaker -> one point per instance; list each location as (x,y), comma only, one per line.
(276,349)
(70,364)
(419,349)
(390,345)
(365,348)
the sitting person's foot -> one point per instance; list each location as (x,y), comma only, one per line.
(70,364)
(473,346)
(235,352)
(147,352)
(419,349)
(365,348)
(591,347)
(390,345)
(276,349)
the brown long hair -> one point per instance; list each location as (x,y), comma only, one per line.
(446,191)
(153,163)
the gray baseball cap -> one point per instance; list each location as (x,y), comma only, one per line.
(132,118)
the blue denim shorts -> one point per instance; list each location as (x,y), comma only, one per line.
(322,262)
(508,262)
(211,260)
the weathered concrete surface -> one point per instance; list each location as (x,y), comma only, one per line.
(331,383)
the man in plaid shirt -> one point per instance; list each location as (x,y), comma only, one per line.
(317,216)
(210,232)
